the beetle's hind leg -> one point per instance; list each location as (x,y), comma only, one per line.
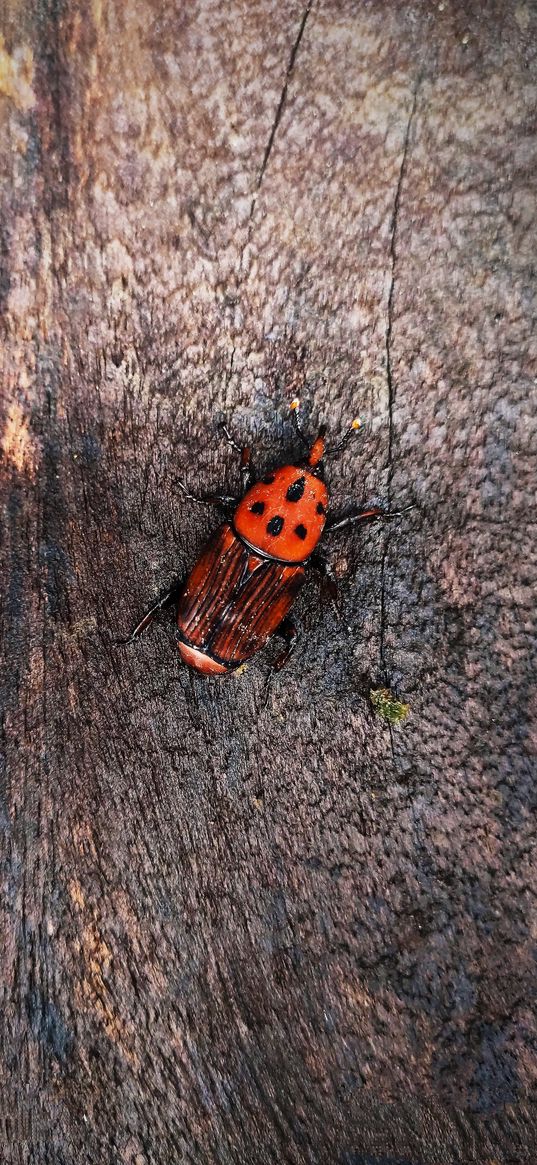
(168,599)
(288,631)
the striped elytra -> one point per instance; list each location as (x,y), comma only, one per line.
(232,603)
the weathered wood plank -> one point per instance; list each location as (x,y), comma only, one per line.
(230,934)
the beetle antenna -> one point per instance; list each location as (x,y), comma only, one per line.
(294,407)
(355,426)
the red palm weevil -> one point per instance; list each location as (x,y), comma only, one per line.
(245,581)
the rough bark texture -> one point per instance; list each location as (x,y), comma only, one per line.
(233,934)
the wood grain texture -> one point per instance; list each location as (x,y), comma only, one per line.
(233,935)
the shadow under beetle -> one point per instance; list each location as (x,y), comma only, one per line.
(245,581)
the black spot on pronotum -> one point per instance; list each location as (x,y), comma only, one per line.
(296,490)
(257,508)
(269,479)
(320,508)
(301,531)
(275,526)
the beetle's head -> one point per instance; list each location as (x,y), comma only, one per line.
(318,451)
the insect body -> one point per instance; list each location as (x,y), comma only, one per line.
(233,601)
(243,586)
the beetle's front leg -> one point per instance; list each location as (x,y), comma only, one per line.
(224,500)
(246,457)
(168,599)
(365,515)
(247,474)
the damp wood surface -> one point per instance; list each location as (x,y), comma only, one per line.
(234,934)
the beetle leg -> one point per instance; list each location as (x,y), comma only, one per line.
(229,436)
(167,600)
(246,456)
(327,578)
(246,469)
(288,631)
(368,514)
(209,500)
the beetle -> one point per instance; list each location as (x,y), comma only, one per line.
(243,586)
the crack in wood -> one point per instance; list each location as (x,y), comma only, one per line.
(275,123)
(281,103)
(389,376)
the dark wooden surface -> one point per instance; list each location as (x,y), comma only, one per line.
(229,934)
